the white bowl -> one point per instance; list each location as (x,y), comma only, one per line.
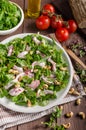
(60,94)
(5,32)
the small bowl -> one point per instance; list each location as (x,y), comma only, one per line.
(9,31)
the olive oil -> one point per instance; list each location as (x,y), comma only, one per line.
(33,10)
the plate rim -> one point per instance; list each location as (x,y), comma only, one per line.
(10,105)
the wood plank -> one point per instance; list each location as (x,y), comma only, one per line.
(12,128)
(29,26)
(76,122)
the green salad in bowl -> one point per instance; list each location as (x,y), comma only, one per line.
(34,71)
(11,17)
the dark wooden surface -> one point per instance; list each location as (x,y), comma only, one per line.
(29,26)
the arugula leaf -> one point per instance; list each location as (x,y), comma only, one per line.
(52,121)
(9,15)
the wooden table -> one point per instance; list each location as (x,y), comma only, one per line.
(76,122)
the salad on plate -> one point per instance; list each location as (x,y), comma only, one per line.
(32,70)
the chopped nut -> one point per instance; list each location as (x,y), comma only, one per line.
(38,93)
(69,114)
(82,115)
(57,82)
(47,67)
(31,52)
(66,126)
(71,90)
(20,78)
(35,70)
(76,93)
(25,68)
(45,86)
(78,101)
(29,103)
(61,107)
(13,71)
(17,85)
(63,68)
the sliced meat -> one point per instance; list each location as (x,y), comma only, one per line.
(16,91)
(34,84)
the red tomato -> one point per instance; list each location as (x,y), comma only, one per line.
(56,22)
(72,26)
(43,22)
(48,8)
(62,34)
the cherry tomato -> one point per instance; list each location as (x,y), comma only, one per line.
(72,26)
(62,34)
(56,22)
(43,22)
(47,9)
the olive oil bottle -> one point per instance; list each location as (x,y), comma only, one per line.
(33,10)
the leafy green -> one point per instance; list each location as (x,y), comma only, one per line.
(38,54)
(52,121)
(9,15)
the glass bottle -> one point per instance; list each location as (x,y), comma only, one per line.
(33,10)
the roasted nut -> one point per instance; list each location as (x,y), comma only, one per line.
(78,101)
(45,86)
(85,89)
(38,93)
(13,71)
(76,93)
(29,103)
(47,67)
(61,107)
(31,52)
(69,114)
(66,126)
(25,68)
(82,115)
(63,68)
(35,70)
(71,90)
(57,82)
(17,85)
(20,78)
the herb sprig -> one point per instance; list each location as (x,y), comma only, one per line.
(52,121)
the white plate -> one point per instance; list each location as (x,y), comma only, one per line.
(60,95)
